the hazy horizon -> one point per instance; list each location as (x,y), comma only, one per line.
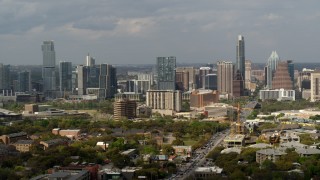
(136,32)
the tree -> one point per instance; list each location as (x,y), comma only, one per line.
(167,149)
(178,142)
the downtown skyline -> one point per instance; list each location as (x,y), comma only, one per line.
(137,32)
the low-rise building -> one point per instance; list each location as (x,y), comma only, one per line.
(70,133)
(183,150)
(54,143)
(236,140)
(270,154)
(23,145)
(201,98)
(304,152)
(207,172)
(278,94)
(14,137)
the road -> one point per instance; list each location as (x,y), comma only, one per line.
(199,156)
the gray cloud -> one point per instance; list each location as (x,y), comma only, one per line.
(127,31)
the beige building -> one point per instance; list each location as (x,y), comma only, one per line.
(248,74)
(191,73)
(164,101)
(14,137)
(23,145)
(225,77)
(315,86)
(70,133)
(203,98)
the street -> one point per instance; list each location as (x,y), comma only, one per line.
(199,156)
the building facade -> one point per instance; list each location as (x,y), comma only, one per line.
(124,108)
(315,86)
(65,76)
(164,100)
(203,98)
(49,66)
(278,94)
(108,79)
(225,77)
(24,81)
(247,81)
(240,63)
(271,68)
(5,80)
(281,78)
(166,73)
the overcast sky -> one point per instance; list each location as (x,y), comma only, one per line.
(137,31)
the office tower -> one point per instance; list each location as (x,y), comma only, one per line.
(90,61)
(238,85)
(248,74)
(65,76)
(281,78)
(48,68)
(182,81)
(74,81)
(225,77)
(24,81)
(82,79)
(315,86)
(166,73)
(257,75)
(271,68)
(211,82)
(240,66)
(5,81)
(108,79)
(203,71)
(164,101)
(291,71)
(146,77)
(124,108)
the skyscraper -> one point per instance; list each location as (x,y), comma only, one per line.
(48,68)
(90,61)
(315,86)
(166,73)
(240,66)
(82,77)
(248,74)
(4,77)
(24,81)
(225,77)
(108,79)
(65,76)
(291,71)
(271,68)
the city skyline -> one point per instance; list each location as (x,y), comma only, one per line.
(136,32)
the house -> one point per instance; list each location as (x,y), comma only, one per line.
(53,143)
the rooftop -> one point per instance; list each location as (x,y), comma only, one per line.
(213,169)
(274,152)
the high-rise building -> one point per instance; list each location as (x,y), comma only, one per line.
(291,71)
(304,79)
(211,82)
(271,68)
(65,76)
(191,72)
(5,77)
(203,71)
(108,79)
(240,66)
(238,85)
(247,81)
(124,108)
(24,81)
(82,79)
(49,67)
(281,78)
(182,81)
(166,79)
(164,101)
(90,61)
(225,77)
(315,86)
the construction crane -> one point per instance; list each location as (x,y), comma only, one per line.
(237,127)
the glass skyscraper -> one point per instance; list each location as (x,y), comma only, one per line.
(65,76)
(48,68)
(241,56)
(271,68)
(166,70)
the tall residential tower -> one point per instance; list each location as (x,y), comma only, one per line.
(166,68)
